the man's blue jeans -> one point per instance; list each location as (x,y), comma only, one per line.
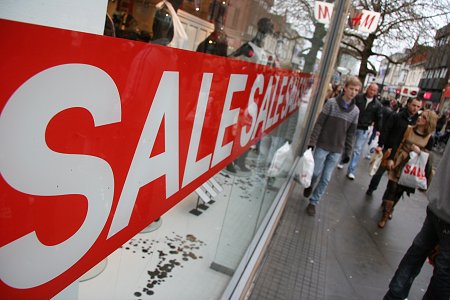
(434,232)
(324,164)
(360,140)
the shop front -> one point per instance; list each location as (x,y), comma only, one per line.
(430,98)
(146,154)
(408,92)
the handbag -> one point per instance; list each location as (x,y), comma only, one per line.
(305,168)
(413,173)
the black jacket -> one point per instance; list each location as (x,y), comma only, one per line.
(386,112)
(370,114)
(392,134)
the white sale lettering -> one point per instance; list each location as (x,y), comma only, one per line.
(281,97)
(144,170)
(30,166)
(196,168)
(273,96)
(263,108)
(252,110)
(229,118)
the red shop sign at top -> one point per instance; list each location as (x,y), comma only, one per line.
(101,136)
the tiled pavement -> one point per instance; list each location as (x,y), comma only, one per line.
(340,253)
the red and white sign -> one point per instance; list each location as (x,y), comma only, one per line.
(409,91)
(427,95)
(101,136)
(361,20)
(323,11)
(365,20)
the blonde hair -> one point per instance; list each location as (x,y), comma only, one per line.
(352,80)
(431,118)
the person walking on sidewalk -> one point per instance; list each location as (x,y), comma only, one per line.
(435,232)
(417,138)
(391,135)
(386,112)
(370,111)
(333,134)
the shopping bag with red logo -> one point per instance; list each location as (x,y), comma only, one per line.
(413,173)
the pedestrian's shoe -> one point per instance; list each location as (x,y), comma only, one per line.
(230,168)
(369,192)
(351,176)
(340,166)
(387,210)
(311,210)
(307,192)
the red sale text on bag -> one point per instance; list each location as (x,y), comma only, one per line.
(101,136)
(414,171)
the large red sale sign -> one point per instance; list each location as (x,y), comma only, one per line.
(101,136)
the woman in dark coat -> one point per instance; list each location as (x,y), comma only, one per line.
(417,138)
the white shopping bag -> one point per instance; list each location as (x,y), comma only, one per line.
(413,173)
(282,161)
(374,144)
(305,168)
(375,162)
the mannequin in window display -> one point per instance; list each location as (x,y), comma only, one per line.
(163,28)
(216,43)
(126,26)
(251,51)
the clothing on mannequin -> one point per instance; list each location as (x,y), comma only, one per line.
(163,27)
(216,43)
(253,51)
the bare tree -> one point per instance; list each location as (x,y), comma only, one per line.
(301,14)
(402,23)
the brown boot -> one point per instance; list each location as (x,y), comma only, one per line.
(387,210)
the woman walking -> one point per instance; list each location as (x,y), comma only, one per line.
(417,138)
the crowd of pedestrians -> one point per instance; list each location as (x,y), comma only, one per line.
(339,136)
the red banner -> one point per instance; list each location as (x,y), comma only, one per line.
(101,136)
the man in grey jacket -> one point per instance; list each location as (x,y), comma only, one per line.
(370,111)
(435,232)
(333,134)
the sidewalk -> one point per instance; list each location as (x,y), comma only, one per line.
(341,253)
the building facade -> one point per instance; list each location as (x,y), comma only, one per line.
(434,82)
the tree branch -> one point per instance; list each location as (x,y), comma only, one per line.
(352,47)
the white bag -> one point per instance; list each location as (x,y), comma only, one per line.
(413,173)
(305,168)
(373,145)
(282,160)
(375,162)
